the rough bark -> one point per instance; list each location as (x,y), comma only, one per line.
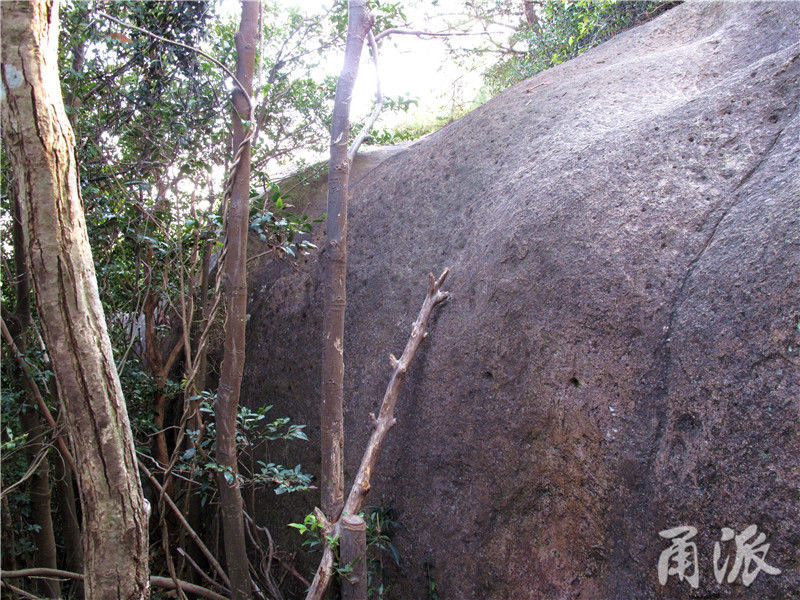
(235,268)
(335,268)
(40,142)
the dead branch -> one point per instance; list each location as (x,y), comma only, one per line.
(381,427)
(20,591)
(161,582)
(212,561)
(425,34)
(200,571)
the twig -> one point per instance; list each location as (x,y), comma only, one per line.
(250,106)
(381,427)
(424,34)
(34,466)
(20,591)
(227,71)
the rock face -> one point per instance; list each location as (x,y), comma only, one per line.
(620,354)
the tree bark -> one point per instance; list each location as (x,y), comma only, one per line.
(41,147)
(353,552)
(231,505)
(530,15)
(335,268)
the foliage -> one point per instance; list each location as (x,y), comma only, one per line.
(279,227)
(253,434)
(381,526)
(563,30)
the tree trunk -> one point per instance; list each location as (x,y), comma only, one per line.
(335,269)
(39,490)
(70,526)
(231,506)
(41,147)
(353,553)
(530,15)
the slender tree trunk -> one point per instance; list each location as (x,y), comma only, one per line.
(335,268)
(8,559)
(530,14)
(231,506)
(41,147)
(353,554)
(39,488)
(70,525)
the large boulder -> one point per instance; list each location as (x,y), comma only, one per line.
(620,353)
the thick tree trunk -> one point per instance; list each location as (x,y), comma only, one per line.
(41,146)
(231,506)
(335,268)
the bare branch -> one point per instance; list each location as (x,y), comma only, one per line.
(162,582)
(200,571)
(426,34)
(386,419)
(212,561)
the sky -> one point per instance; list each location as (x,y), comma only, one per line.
(411,67)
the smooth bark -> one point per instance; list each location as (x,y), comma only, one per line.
(335,268)
(235,269)
(41,147)
(353,554)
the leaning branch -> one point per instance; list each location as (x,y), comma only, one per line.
(227,71)
(425,34)
(381,426)
(251,107)
(386,419)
